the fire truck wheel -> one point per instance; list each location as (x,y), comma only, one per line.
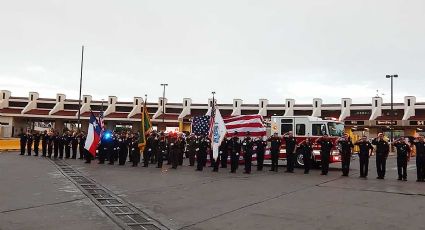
(299,161)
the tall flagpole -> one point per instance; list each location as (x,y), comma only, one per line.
(81,84)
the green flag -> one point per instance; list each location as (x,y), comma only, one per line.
(146,127)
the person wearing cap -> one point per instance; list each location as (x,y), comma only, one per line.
(276,143)
(346,149)
(235,148)
(162,149)
(260,145)
(23,141)
(366,149)
(420,158)
(135,150)
(291,149)
(191,148)
(306,148)
(247,146)
(382,151)
(325,152)
(403,156)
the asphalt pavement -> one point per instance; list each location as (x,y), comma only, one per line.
(36,194)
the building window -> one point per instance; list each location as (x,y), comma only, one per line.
(408,102)
(4,95)
(376,103)
(137,101)
(110,101)
(315,104)
(185,103)
(85,100)
(289,104)
(32,97)
(345,104)
(59,99)
(161,102)
(300,129)
(236,104)
(262,104)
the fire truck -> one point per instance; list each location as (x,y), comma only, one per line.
(306,127)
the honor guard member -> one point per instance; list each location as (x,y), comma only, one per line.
(217,161)
(50,144)
(173,152)
(248,145)
(191,149)
(235,147)
(291,149)
(74,145)
(325,152)
(382,151)
(181,147)
(403,156)
(154,153)
(67,144)
(81,143)
(44,140)
(199,157)
(135,151)
(261,145)
(29,144)
(224,152)
(206,147)
(36,143)
(61,142)
(202,153)
(23,141)
(123,149)
(366,149)
(147,151)
(162,149)
(275,144)
(306,148)
(113,150)
(103,150)
(420,158)
(345,148)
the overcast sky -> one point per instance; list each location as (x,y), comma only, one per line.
(240,49)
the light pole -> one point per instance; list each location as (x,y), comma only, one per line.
(392,106)
(81,85)
(163,104)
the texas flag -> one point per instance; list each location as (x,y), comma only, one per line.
(93,135)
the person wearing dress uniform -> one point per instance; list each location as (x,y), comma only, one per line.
(74,145)
(382,151)
(112,149)
(224,148)
(306,148)
(56,141)
(345,148)
(420,158)
(148,150)
(81,144)
(36,143)
(50,144)
(403,156)
(162,149)
(123,149)
(291,149)
(174,151)
(325,152)
(61,139)
(135,151)
(23,141)
(44,141)
(181,147)
(235,148)
(261,146)
(247,146)
(201,153)
(29,144)
(191,149)
(366,149)
(275,144)
(67,144)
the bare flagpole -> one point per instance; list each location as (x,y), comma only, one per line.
(81,84)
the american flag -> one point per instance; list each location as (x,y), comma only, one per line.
(102,124)
(200,125)
(245,123)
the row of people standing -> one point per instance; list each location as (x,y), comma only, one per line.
(53,144)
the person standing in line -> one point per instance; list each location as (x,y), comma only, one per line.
(291,150)
(44,143)
(247,145)
(420,158)
(235,148)
(74,145)
(36,143)
(29,144)
(276,143)
(403,156)
(325,152)
(346,149)
(23,141)
(306,148)
(162,149)
(382,152)
(366,149)
(261,145)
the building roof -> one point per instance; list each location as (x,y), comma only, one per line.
(66,113)
(11,110)
(117,115)
(38,112)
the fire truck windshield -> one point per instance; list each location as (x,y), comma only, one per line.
(335,129)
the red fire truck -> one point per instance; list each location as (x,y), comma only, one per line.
(306,127)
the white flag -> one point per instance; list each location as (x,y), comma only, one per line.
(219,131)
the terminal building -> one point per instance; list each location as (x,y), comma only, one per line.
(38,113)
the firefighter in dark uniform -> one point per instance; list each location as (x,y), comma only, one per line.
(147,151)
(181,148)
(403,156)
(61,139)
(382,151)
(325,152)
(247,146)
(217,161)
(36,143)
(261,145)
(199,157)
(81,146)
(276,143)
(366,149)
(56,141)
(67,144)
(29,144)
(202,153)
(23,142)
(306,148)
(50,144)
(345,147)
(123,149)
(191,149)
(224,152)
(102,150)
(420,158)
(113,150)
(235,148)
(291,150)
(135,151)
(173,152)
(74,145)
(206,147)
(162,149)
(44,141)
